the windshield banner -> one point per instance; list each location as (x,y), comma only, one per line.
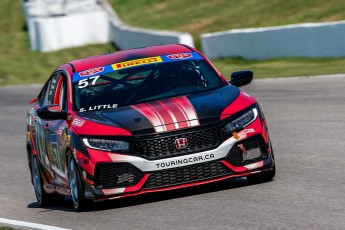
(134,63)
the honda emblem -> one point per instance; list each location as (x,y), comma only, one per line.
(181,143)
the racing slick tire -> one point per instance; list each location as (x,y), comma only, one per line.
(44,199)
(76,186)
(265,176)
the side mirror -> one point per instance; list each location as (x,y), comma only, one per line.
(51,112)
(241,78)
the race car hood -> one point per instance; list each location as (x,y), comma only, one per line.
(168,114)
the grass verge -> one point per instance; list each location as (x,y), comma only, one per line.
(20,65)
(203,16)
(282,67)
(6,228)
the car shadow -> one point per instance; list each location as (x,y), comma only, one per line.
(149,197)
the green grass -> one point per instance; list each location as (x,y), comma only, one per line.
(5,228)
(282,67)
(202,16)
(18,64)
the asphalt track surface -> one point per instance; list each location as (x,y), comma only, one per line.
(306,123)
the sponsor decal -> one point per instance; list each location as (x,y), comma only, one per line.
(97,107)
(27,136)
(180,56)
(137,62)
(236,136)
(94,72)
(249,130)
(132,63)
(67,139)
(91,72)
(78,122)
(169,114)
(181,143)
(33,119)
(181,162)
(64,135)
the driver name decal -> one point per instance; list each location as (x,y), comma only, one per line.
(97,107)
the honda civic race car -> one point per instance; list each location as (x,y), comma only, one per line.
(143,120)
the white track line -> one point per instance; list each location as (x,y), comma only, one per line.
(29,224)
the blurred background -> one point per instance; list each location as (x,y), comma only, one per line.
(19,64)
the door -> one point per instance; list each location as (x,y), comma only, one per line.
(40,128)
(55,130)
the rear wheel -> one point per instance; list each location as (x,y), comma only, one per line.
(77,190)
(44,199)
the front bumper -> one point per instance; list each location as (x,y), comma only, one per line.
(134,175)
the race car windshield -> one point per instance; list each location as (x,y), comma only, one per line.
(142,80)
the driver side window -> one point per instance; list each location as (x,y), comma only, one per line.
(52,90)
(62,93)
(55,92)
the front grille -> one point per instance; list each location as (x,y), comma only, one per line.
(253,145)
(116,175)
(164,146)
(186,174)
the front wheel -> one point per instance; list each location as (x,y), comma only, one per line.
(76,187)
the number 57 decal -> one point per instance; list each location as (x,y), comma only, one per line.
(84,83)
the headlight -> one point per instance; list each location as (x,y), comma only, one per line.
(107,145)
(242,121)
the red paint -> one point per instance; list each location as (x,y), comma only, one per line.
(178,186)
(33,101)
(121,56)
(137,186)
(57,92)
(234,168)
(242,102)
(98,129)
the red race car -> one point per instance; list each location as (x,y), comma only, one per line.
(143,120)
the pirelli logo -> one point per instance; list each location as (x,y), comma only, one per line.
(137,62)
